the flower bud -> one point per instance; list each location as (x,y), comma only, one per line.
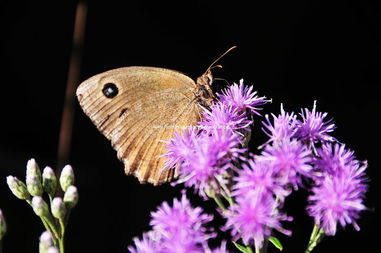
(67,177)
(52,250)
(46,241)
(71,196)
(58,208)
(40,207)
(33,169)
(3,225)
(18,188)
(33,184)
(49,181)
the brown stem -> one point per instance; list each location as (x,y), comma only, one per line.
(72,81)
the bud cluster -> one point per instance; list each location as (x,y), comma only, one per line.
(55,213)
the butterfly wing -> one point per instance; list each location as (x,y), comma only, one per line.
(150,104)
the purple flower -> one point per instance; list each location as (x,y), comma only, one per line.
(179,148)
(314,127)
(338,198)
(282,128)
(207,159)
(242,98)
(334,159)
(182,243)
(224,116)
(145,245)
(289,160)
(253,217)
(259,178)
(176,229)
(182,218)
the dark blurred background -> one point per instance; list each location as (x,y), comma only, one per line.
(294,52)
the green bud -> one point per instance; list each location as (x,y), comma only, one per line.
(40,207)
(49,181)
(71,196)
(18,188)
(33,169)
(46,241)
(3,225)
(58,208)
(33,184)
(67,177)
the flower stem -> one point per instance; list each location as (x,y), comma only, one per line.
(219,202)
(61,245)
(316,236)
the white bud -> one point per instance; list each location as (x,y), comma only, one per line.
(46,241)
(32,168)
(71,196)
(40,207)
(34,185)
(58,208)
(49,181)
(52,250)
(18,188)
(67,177)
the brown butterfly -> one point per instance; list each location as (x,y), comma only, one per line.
(138,108)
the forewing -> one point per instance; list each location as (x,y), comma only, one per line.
(151,104)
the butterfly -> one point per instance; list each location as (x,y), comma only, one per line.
(139,108)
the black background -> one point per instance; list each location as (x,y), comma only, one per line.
(291,51)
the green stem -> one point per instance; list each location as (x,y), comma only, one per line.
(316,236)
(61,240)
(48,226)
(219,202)
(61,245)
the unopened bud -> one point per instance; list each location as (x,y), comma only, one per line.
(67,177)
(40,207)
(52,250)
(33,169)
(18,188)
(33,184)
(3,225)
(71,196)
(49,181)
(46,241)
(58,208)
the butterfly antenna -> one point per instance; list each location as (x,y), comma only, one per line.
(219,58)
(222,79)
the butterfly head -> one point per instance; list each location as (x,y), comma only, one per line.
(204,88)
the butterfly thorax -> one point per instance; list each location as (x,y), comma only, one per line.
(204,91)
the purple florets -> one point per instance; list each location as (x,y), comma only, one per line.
(242,98)
(314,128)
(334,159)
(283,126)
(253,217)
(223,116)
(212,156)
(290,160)
(258,177)
(338,196)
(180,228)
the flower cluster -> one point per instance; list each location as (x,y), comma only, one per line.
(177,228)
(300,152)
(204,157)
